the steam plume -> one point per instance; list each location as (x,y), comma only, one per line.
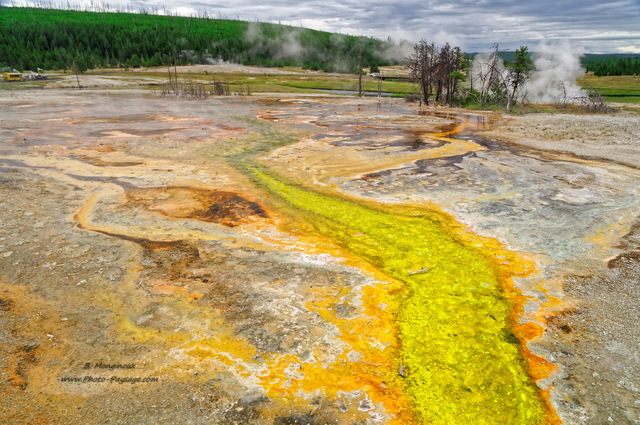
(557,68)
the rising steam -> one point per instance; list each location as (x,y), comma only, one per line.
(286,46)
(557,68)
(554,78)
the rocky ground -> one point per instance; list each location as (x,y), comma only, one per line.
(132,248)
(613,137)
(594,339)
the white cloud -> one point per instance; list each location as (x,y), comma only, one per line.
(628,49)
(443,37)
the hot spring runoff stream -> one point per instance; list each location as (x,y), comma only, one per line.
(301,259)
(460,360)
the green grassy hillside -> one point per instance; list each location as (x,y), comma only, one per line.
(32,38)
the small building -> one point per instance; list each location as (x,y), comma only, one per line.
(12,76)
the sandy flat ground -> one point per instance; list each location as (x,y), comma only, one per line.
(100,81)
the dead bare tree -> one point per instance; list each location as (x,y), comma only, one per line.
(360,73)
(594,101)
(500,84)
(75,68)
(561,102)
(422,63)
(173,80)
(490,76)
(437,70)
(194,90)
(220,88)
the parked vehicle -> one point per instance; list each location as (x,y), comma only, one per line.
(12,76)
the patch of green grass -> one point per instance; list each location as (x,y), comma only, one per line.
(349,83)
(622,88)
(305,82)
(623,99)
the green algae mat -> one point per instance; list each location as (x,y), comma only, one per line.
(461,362)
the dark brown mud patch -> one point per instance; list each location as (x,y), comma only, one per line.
(24,357)
(296,420)
(168,259)
(18,353)
(624,260)
(415,140)
(163,258)
(377,175)
(104,179)
(631,241)
(101,163)
(226,208)
(442,165)
(5,305)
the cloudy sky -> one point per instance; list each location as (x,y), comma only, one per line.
(595,25)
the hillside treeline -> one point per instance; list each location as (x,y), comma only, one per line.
(32,38)
(603,65)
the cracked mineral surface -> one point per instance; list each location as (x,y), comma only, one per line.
(313,260)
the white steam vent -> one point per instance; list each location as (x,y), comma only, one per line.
(557,69)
